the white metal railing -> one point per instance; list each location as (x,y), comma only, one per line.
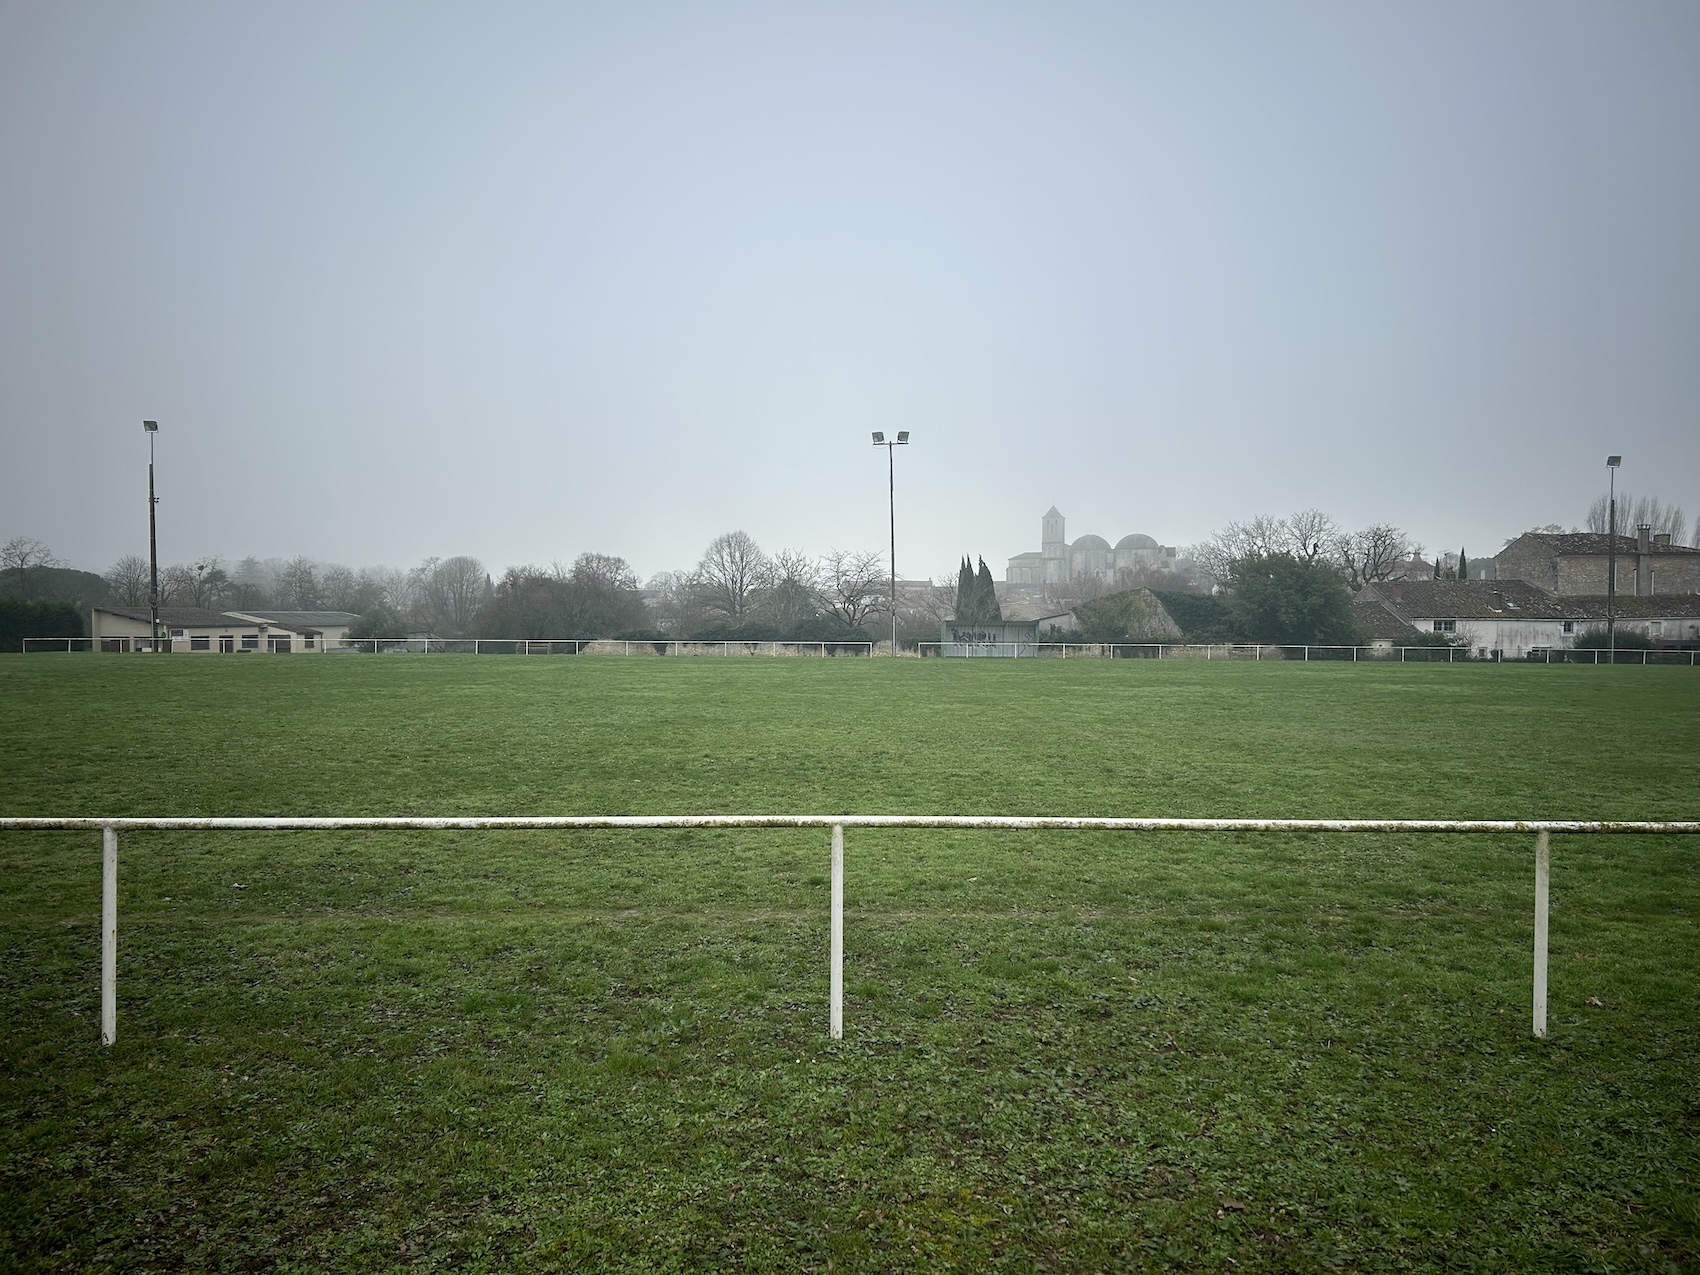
(1302,653)
(110,827)
(512,646)
(1025,650)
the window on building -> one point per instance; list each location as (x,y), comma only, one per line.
(250,641)
(1658,628)
(226,643)
(200,642)
(280,646)
(1570,626)
(1446,626)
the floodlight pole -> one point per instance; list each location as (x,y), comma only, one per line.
(1612,462)
(151,428)
(901,440)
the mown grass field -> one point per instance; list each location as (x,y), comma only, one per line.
(540,1051)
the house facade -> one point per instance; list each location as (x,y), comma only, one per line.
(1509,619)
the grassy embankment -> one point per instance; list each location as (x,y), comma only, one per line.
(487,1050)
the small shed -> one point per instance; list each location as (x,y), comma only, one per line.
(1005,638)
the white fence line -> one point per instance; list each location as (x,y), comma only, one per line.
(1302,653)
(109,828)
(516,646)
(1675,656)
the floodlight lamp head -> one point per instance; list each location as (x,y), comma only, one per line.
(879,437)
(903,436)
(1612,462)
(150,427)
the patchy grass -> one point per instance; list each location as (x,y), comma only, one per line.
(548,1051)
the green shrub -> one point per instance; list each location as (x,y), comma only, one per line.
(1627,640)
(20,620)
(1277,598)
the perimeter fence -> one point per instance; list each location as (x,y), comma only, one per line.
(929,650)
(477,646)
(1542,829)
(1303,654)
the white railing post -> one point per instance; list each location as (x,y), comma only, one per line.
(1543,879)
(108,935)
(835,990)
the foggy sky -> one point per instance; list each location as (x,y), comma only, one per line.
(522,281)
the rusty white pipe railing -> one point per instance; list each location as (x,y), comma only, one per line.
(109,828)
(1661,656)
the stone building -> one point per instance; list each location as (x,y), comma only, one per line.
(1575,563)
(1089,558)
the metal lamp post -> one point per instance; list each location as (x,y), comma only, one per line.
(891,466)
(151,428)
(1612,462)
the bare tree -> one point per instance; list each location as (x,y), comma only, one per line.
(675,601)
(398,591)
(792,592)
(298,586)
(177,585)
(1307,534)
(1259,536)
(454,590)
(344,589)
(1633,511)
(602,569)
(732,571)
(128,580)
(1371,554)
(922,609)
(853,585)
(22,560)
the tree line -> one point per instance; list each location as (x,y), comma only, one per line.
(736,590)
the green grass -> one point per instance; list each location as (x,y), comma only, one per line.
(1062,1051)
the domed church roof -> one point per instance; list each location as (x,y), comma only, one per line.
(1090,542)
(1136,541)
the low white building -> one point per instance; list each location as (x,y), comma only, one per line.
(120,629)
(1508,619)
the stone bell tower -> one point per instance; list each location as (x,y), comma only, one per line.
(1053,545)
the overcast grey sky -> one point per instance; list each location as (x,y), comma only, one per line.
(522,281)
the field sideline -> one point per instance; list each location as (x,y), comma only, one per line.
(1076,1050)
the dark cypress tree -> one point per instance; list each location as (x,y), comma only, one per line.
(1437,566)
(1463,566)
(966,610)
(990,611)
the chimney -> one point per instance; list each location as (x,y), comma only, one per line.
(1398,590)
(1661,540)
(1643,537)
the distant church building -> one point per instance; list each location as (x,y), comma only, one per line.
(1089,558)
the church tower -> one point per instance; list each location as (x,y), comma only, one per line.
(1053,546)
